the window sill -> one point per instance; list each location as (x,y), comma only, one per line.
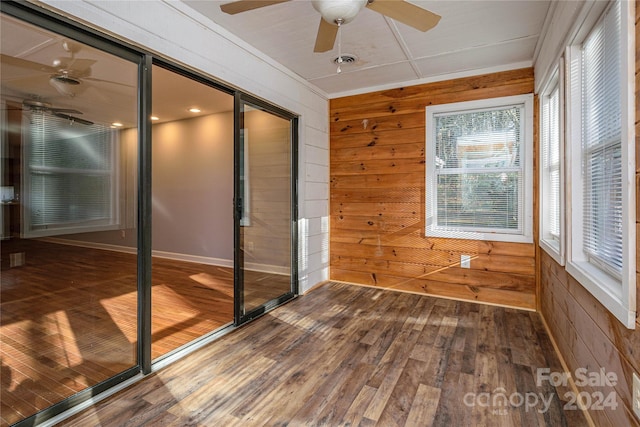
(473,235)
(552,248)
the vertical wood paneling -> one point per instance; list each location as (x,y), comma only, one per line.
(377,199)
(587,335)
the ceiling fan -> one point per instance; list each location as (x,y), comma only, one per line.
(338,12)
(63,113)
(67,75)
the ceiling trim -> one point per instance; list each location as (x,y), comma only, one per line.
(545,30)
(403,45)
(432,79)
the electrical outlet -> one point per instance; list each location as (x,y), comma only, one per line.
(16,259)
(635,400)
(250,246)
(465,261)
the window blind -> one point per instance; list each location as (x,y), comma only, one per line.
(479,176)
(71,171)
(551,161)
(602,143)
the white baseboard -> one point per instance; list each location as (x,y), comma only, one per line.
(219,262)
(265,268)
(90,245)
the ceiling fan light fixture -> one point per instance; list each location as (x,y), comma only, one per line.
(334,10)
(66,79)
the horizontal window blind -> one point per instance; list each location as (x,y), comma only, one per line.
(602,143)
(71,172)
(551,161)
(479,176)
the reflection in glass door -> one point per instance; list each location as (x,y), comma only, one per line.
(68,290)
(192,196)
(263,210)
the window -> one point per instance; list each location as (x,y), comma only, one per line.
(602,221)
(552,170)
(71,176)
(479,165)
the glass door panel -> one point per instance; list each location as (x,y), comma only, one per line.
(192,196)
(69,142)
(264,208)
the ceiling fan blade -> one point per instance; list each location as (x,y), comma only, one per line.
(64,110)
(326,37)
(91,79)
(73,119)
(24,63)
(246,5)
(34,104)
(81,65)
(407,13)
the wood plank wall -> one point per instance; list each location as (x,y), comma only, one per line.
(377,199)
(587,335)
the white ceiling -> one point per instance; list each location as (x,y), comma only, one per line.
(108,89)
(472,37)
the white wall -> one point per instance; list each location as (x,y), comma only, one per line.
(177,32)
(192,165)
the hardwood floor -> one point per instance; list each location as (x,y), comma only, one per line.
(69,317)
(346,355)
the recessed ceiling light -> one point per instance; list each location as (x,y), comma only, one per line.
(194,110)
(116,124)
(154,118)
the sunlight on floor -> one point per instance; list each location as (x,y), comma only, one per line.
(217,284)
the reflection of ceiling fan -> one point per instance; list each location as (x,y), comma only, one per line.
(63,113)
(66,74)
(337,12)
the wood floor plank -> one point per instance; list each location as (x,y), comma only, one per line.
(336,410)
(328,369)
(355,413)
(392,365)
(423,408)
(320,383)
(404,394)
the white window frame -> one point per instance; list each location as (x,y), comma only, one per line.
(618,295)
(551,244)
(525,234)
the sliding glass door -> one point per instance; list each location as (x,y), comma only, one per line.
(143,208)
(69,281)
(192,193)
(265,231)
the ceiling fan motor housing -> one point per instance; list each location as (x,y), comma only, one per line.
(334,10)
(66,78)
